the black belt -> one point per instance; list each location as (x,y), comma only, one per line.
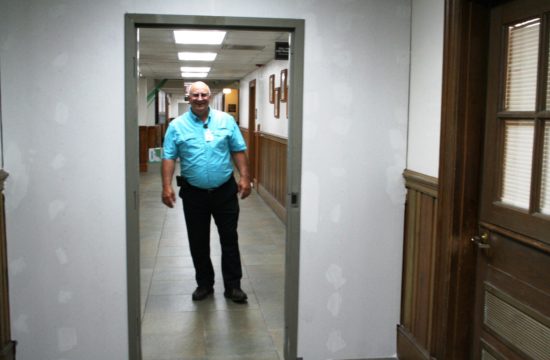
(184,184)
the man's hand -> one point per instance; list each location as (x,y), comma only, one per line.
(168,196)
(167,171)
(244,186)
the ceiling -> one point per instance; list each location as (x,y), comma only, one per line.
(240,53)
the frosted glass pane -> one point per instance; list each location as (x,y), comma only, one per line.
(521,69)
(518,152)
(545,185)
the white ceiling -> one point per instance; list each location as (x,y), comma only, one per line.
(240,53)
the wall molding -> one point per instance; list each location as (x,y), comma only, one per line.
(421,182)
(415,332)
(409,347)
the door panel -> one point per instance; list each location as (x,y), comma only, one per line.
(512,312)
(252,131)
(513,298)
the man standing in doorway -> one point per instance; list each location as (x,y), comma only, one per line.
(205,140)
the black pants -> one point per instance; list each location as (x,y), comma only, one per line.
(199,206)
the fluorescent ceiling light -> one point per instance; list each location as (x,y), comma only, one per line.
(197,56)
(194,74)
(195,69)
(204,37)
(227,91)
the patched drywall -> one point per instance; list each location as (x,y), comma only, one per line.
(63,114)
(426,86)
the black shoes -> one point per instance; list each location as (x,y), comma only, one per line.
(236,294)
(202,293)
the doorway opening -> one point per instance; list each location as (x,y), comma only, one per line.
(296,30)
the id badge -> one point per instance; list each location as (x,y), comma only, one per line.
(208,135)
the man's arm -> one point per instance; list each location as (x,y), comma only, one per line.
(241,161)
(168,194)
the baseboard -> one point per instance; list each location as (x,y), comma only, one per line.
(408,347)
(8,351)
(277,208)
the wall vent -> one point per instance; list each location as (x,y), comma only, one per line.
(512,321)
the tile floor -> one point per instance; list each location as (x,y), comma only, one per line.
(176,328)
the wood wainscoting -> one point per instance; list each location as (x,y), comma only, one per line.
(269,168)
(272,172)
(7,346)
(415,332)
(245,133)
(151,136)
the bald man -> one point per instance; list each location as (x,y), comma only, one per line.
(205,140)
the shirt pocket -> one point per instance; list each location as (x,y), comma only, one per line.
(189,144)
(221,140)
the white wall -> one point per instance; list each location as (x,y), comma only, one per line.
(216,101)
(183,107)
(176,100)
(65,154)
(425,93)
(266,118)
(146,111)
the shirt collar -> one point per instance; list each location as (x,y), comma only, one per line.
(199,120)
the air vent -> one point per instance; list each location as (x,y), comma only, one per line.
(516,326)
(242,47)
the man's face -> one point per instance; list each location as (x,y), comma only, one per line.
(199,97)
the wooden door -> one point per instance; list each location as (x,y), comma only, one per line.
(512,311)
(252,131)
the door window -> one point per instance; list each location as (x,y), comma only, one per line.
(517,180)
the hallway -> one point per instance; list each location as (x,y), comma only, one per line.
(176,328)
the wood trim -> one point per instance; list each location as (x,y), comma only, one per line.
(532,243)
(421,182)
(272,171)
(410,349)
(273,137)
(246,134)
(257,155)
(7,346)
(419,267)
(7,351)
(463,109)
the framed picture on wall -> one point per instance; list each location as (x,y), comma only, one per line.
(277,96)
(272,89)
(284,85)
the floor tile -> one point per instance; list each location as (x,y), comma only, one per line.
(174,327)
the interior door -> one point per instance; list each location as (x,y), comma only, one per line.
(512,316)
(252,131)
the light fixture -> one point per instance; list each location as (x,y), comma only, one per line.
(197,56)
(202,37)
(227,91)
(195,69)
(194,74)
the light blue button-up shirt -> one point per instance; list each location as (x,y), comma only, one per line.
(205,159)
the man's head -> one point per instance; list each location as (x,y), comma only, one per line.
(199,98)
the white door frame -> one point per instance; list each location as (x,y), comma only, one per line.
(294,158)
